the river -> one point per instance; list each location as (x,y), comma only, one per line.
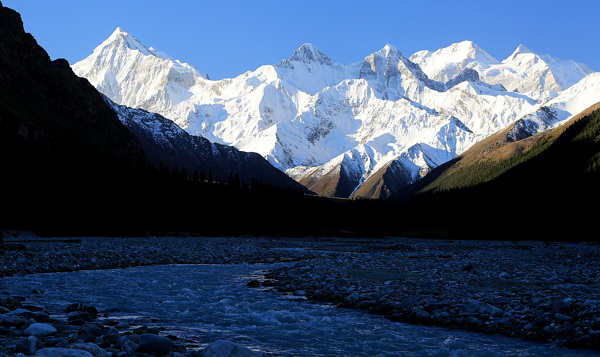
(203,303)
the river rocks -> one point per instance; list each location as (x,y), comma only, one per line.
(28,345)
(59,254)
(40,330)
(545,292)
(155,345)
(224,348)
(20,337)
(253,283)
(561,318)
(93,349)
(533,290)
(91,329)
(62,352)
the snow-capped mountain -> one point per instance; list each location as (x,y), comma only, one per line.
(330,126)
(447,63)
(559,110)
(131,74)
(540,77)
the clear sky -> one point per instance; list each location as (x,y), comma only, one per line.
(225,38)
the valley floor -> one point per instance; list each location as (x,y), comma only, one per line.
(540,291)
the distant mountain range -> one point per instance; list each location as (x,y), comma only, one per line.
(366,129)
(450,157)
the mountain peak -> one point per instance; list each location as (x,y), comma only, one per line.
(118,31)
(120,37)
(469,49)
(466,46)
(309,53)
(390,49)
(522,49)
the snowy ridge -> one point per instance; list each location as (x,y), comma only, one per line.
(561,109)
(540,77)
(131,74)
(311,116)
(447,63)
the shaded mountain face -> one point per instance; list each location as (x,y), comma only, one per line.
(309,114)
(63,151)
(70,165)
(47,108)
(167,144)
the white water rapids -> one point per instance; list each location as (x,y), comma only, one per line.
(203,303)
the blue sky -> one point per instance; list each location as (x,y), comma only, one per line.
(225,38)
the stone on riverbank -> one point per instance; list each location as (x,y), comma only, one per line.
(224,348)
(155,345)
(39,329)
(29,345)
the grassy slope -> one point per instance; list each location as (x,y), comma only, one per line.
(542,187)
(494,156)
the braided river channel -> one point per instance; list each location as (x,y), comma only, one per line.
(203,303)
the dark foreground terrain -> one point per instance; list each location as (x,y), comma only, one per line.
(547,292)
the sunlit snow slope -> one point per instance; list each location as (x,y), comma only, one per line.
(331,126)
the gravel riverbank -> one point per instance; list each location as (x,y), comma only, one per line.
(548,292)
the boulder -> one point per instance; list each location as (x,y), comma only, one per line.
(561,317)
(28,345)
(93,349)
(253,283)
(472,306)
(155,345)
(91,329)
(422,315)
(224,348)
(39,330)
(491,310)
(24,313)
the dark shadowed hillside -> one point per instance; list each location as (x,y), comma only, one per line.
(167,144)
(542,187)
(70,166)
(59,142)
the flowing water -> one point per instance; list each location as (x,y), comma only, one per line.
(204,303)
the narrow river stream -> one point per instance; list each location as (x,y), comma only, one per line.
(204,303)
